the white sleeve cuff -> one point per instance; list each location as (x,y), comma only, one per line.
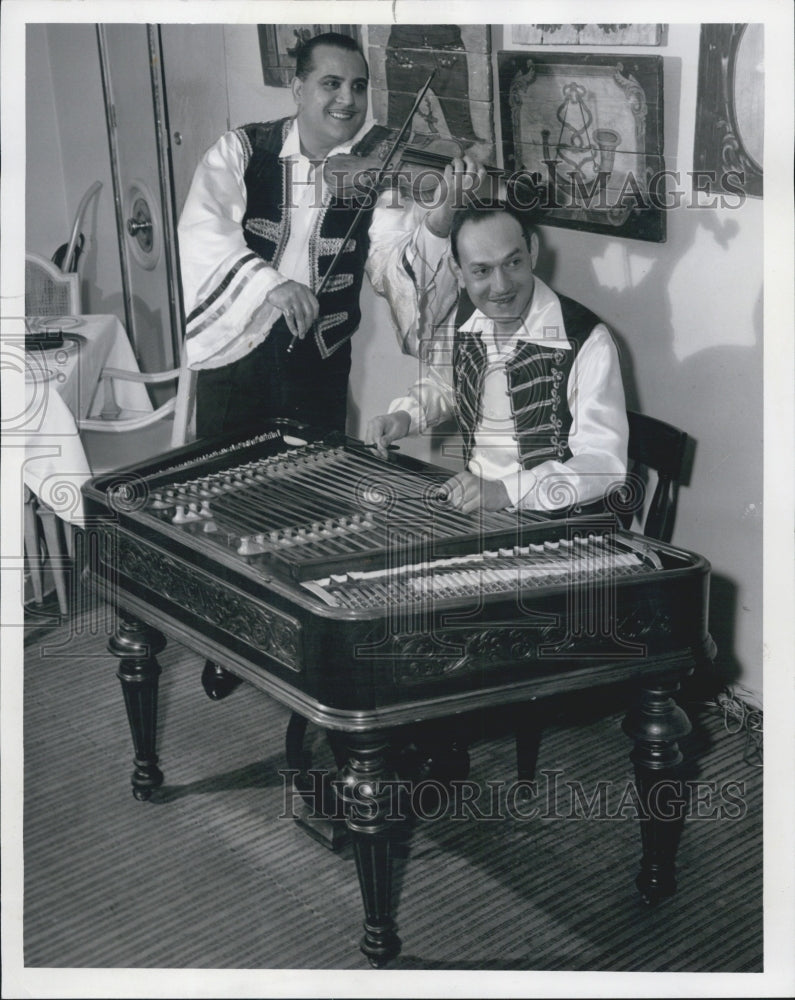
(432,247)
(520,487)
(270,279)
(412,407)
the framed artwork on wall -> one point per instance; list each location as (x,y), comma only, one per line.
(458,110)
(589,130)
(587,34)
(277,44)
(730,108)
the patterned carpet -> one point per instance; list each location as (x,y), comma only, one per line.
(207,875)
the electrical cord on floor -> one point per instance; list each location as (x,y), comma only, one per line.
(738,715)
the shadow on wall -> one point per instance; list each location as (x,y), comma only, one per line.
(687,320)
(723,618)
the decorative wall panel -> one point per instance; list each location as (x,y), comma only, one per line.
(459,107)
(589,128)
(587,34)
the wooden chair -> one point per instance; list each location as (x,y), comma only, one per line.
(660,448)
(654,447)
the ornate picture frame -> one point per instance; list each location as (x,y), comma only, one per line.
(588,34)
(589,129)
(458,110)
(729,134)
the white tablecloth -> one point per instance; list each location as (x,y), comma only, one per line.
(62,386)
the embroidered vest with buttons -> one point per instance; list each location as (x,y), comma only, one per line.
(266,228)
(537,377)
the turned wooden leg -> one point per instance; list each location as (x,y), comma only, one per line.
(218,682)
(529,727)
(655,724)
(32,553)
(52,536)
(136,645)
(368,801)
(316,755)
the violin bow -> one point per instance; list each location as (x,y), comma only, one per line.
(378,178)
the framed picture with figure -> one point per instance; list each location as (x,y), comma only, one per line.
(588,129)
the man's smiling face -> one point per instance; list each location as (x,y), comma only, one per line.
(496,268)
(331,100)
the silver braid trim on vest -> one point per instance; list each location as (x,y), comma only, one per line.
(266,228)
(286,224)
(327,246)
(245,142)
(337,282)
(328,323)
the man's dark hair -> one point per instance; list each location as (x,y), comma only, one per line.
(477,213)
(304,51)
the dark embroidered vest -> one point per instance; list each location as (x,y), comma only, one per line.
(266,227)
(537,385)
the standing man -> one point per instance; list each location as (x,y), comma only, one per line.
(532,378)
(258,231)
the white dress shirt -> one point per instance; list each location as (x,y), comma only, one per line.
(595,394)
(404,255)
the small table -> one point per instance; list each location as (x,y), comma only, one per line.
(404,658)
(61,388)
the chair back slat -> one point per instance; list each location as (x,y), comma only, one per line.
(661,447)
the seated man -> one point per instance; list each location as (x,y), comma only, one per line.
(532,378)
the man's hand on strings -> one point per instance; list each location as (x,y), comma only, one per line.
(388,427)
(467,492)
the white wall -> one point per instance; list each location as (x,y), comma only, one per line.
(687,315)
(250,100)
(47,223)
(67,150)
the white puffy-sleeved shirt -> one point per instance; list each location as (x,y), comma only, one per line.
(405,262)
(595,395)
